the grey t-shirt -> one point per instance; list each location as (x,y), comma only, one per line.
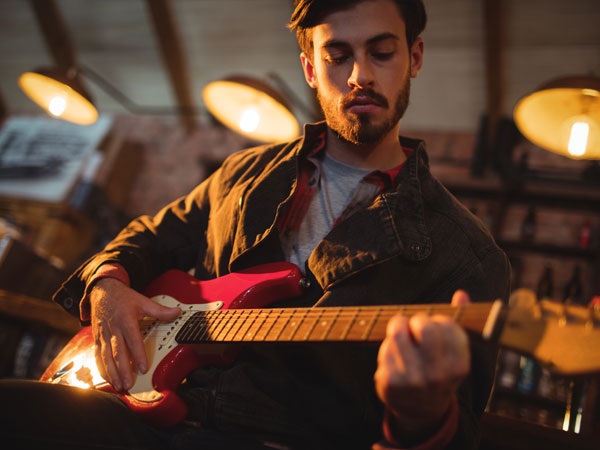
(337,184)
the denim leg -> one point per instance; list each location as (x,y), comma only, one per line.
(36,415)
(217,440)
(41,415)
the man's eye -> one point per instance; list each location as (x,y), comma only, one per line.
(334,60)
(383,56)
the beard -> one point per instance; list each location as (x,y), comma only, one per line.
(363,128)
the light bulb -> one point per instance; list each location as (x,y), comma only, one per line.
(579,138)
(249,120)
(57,106)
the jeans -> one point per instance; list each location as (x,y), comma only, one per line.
(40,415)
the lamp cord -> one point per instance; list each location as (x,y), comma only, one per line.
(125,101)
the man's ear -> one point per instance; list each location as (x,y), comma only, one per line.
(416,57)
(309,70)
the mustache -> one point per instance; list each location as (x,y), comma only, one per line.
(377,98)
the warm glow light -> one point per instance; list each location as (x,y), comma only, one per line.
(567,419)
(578,139)
(578,418)
(57,106)
(84,373)
(47,92)
(249,120)
(250,111)
(563,116)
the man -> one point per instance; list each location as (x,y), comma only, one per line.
(357,209)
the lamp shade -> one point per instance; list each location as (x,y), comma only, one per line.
(563,116)
(251,108)
(61,96)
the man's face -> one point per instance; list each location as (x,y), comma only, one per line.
(361,68)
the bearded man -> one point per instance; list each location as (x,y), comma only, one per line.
(351,203)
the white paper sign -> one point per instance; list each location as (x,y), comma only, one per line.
(41,158)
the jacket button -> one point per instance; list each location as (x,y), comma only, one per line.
(68,302)
(305,283)
(415,248)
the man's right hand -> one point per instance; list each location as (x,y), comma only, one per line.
(116,312)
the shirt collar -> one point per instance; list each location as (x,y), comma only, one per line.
(315,143)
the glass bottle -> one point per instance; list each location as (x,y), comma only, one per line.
(545,287)
(528,226)
(573,292)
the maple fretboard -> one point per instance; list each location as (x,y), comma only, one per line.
(343,324)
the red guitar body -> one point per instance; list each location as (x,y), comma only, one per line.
(153,395)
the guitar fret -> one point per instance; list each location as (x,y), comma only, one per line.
(230,322)
(253,333)
(331,323)
(379,329)
(347,330)
(240,321)
(284,325)
(295,323)
(211,324)
(301,323)
(338,325)
(359,326)
(222,323)
(314,324)
(246,324)
(370,326)
(214,328)
(274,321)
(201,325)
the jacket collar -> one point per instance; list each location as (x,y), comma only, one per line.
(392,226)
(341,253)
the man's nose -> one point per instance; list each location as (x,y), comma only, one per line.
(362,75)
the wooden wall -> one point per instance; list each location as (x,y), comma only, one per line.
(542,39)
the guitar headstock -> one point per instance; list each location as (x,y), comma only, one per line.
(564,337)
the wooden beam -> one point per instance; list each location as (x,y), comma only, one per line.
(493,24)
(55,34)
(58,41)
(3,109)
(163,17)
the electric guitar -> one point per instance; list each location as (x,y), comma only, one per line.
(232,310)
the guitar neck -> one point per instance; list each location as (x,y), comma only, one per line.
(343,324)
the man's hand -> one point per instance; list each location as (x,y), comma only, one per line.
(116,312)
(421,364)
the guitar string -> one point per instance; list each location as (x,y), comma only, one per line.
(306,313)
(336,314)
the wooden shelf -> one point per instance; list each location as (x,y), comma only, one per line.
(505,433)
(548,249)
(529,397)
(541,194)
(40,311)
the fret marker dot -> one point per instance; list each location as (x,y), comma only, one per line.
(362,322)
(293,324)
(324,323)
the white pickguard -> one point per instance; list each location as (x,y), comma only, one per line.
(159,340)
